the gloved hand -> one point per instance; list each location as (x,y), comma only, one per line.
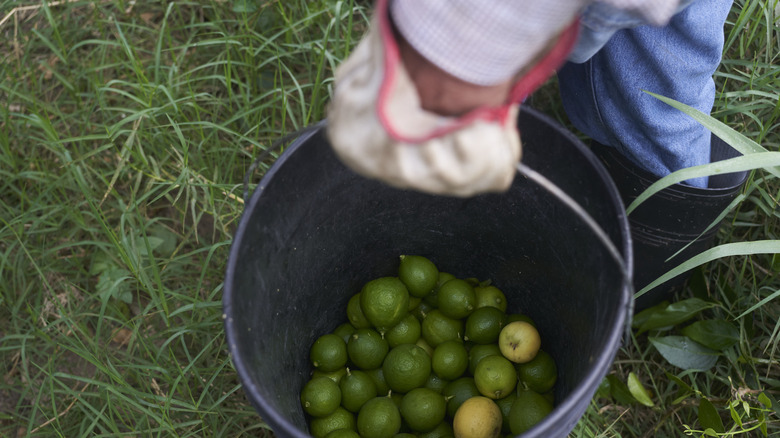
(377,126)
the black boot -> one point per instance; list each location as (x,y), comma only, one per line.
(670,219)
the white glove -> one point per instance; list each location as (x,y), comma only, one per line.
(377,127)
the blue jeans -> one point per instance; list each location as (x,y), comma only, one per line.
(602,94)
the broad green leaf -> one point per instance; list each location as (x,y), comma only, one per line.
(683,391)
(684,353)
(640,393)
(619,391)
(764,400)
(726,250)
(709,417)
(734,415)
(603,390)
(738,164)
(154,242)
(168,240)
(642,317)
(675,313)
(710,432)
(101,263)
(717,334)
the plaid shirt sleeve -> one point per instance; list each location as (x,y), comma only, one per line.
(486,42)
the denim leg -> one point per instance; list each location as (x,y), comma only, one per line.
(603,96)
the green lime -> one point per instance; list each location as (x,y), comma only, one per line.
(405,332)
(425,346)
(450,360)
(384,301)
(458,391)
(423,409)
(320,397)
(438,328)
(404,435)
(432,298)
(344,331)
(418,274)
(332,375)
(378,376)
(505,405)
(435,383)
(479,352)
(406,367)
(528,409)
(457,299)
(495,377)
(367,349)
(379,418)
(539,374)
(490,296)
(484,325)
(357,387)
(414,302)
(355,313)
(328,353)
(422,310)
(443,430)
(343,433)
(338,419)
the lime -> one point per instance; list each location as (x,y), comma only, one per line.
(495,377)
(458,391)
(406,367)
(328,353)
(332,375)
(378,376)
(490,296)
(418,274)
(505,405)
(355,313)
(519,341)
(477,417)
(357,387)
(484,325)
(528,409)
(343,433)
(423,409)
(320,397)
(405,332)
(338,419)
(384,301)
(425,346)
(433,298)
(435,383)
(367,349)
(450,360)
(443,430)
(379,418)
(539,374)
(457,299)
(438,328)
(414,302)
(344,331)
(422,310)
(479,352)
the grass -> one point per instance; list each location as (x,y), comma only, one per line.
(126,129)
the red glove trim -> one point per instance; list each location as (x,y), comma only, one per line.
(538,74)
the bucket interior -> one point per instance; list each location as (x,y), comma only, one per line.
(314,232)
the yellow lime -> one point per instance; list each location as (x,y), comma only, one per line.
(418,273)
(477,417)
(519,341)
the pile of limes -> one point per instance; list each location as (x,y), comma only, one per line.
(430,355)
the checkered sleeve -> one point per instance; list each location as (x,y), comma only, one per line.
(486,42)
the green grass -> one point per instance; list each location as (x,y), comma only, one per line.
(126,129)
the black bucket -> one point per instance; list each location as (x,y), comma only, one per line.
(314,232)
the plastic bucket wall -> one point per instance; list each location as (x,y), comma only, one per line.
(313,233)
